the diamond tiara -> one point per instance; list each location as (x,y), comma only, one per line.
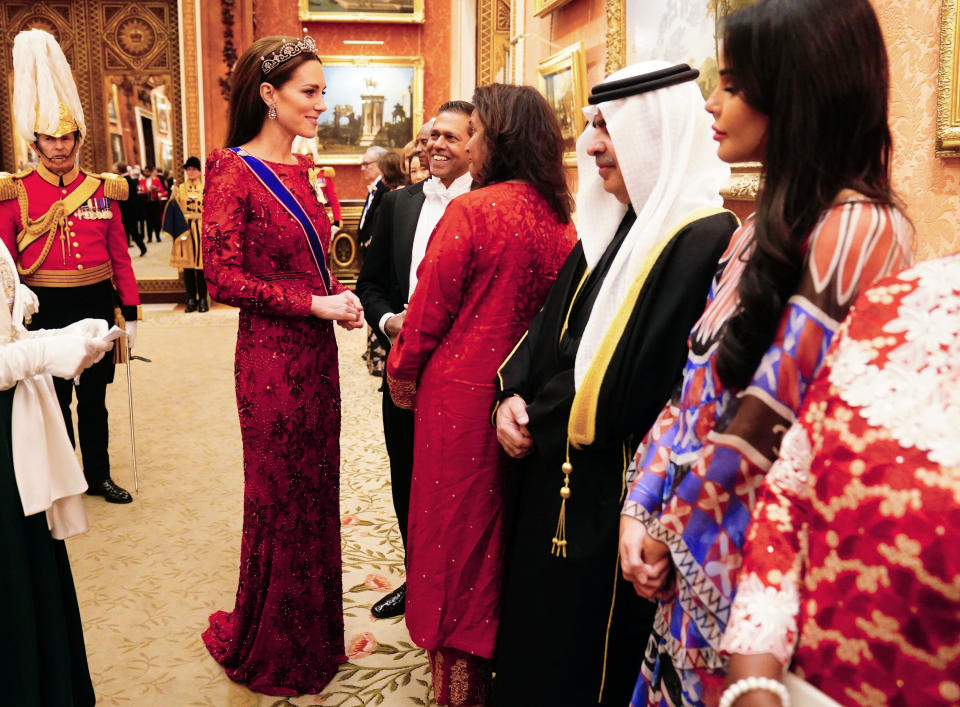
(287,51)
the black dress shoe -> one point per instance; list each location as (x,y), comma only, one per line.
(394,604)
(110,491)
(191,305)
(204,305)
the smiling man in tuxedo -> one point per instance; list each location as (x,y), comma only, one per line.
(401,228)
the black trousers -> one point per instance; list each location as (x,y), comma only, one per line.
(398,434)
(195,284)
(154,216)
(60,306)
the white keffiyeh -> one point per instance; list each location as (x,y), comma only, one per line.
(671,170)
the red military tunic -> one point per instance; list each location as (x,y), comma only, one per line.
(94,246)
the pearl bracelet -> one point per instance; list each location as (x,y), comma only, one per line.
(745,685)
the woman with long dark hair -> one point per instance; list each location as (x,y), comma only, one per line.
(803,90)
(266,235)
(488,267)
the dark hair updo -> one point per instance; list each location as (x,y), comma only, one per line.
(247,108)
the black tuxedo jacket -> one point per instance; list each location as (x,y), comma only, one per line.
(365,232)
(383,284)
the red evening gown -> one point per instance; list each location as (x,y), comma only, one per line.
(285,634)
(487,270)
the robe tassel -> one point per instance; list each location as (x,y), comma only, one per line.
(560,537)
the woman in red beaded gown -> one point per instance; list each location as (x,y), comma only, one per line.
(488,267)
(285,633)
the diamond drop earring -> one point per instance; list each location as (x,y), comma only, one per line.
(272,112)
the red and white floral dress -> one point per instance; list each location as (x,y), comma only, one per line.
(851,572)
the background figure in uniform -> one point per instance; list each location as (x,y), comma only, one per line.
(388,277)
(139,198)
(325,188)
(156,195)
(593,371)
(181,221)
(284,635)
(71,262)
(45,660)
(128,209)
(375,191)
(487,269)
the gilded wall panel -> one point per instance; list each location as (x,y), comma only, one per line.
(929,185)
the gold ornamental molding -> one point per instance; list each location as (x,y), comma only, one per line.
(616,36)
(190,78)
(948,82)
(493,38)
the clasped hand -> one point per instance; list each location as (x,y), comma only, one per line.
(512,433)
(345,309)
(645,562)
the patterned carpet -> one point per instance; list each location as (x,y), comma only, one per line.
(149,574)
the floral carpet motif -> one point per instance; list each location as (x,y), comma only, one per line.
(150,573)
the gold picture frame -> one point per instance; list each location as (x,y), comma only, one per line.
(356,86)
(562,79)
(744,183)
(948,82)
(323,11)
(545,7)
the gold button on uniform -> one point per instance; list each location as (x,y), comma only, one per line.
(78,256)
(79,267)
(76,245)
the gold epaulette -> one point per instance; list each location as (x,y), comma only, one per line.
(8,184)
(329,172)
(8,188)
(114,186)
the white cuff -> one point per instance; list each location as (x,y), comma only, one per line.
(383,323)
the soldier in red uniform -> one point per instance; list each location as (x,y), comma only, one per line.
(63,227)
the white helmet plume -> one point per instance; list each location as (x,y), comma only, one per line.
(45,98)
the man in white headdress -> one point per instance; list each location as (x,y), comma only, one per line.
(593,371)
(63,226)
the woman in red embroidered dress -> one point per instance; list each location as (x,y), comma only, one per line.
(487,270)
(285,634)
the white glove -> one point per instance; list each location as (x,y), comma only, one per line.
(131,327)
(90,328)
(66,356)
(62,356)
(334,230)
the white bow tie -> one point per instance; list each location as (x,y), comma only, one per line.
(434,189)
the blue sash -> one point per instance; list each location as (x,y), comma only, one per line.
(272,182)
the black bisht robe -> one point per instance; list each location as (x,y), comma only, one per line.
(573,631)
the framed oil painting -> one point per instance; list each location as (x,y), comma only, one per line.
(361,10)
(562,79)
(117,153)
(370,101)
(161,109)
(681,31)
(113,106)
